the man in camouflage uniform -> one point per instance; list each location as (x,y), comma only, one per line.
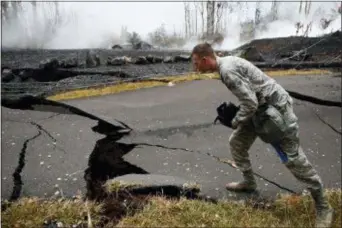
(254,88)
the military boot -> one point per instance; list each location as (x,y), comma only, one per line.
(324,212)
(247,185)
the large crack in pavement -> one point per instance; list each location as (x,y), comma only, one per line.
(17,181)
(218,159)
(106,160)
(328,124)
(314,100)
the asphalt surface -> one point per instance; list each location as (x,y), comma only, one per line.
(181,116)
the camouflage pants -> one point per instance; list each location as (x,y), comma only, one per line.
(242,139)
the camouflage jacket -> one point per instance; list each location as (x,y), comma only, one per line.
(251,86)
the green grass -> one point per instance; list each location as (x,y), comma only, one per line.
(286,211)
(116,186)
(32,212)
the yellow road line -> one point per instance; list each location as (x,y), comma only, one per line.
(129,86)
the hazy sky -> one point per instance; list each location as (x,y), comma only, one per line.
(145,16)
(98,22)
(141,17)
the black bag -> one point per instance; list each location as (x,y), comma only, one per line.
(226,113)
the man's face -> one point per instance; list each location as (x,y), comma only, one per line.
(204,64)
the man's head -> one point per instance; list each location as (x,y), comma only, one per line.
(203,58)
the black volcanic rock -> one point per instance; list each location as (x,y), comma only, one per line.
(182,58)
(49,64)
(141,60)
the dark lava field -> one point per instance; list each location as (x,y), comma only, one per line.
(42,72)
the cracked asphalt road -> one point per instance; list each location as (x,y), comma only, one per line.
(177,117)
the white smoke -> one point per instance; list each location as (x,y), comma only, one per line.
(288,16)
(98,24)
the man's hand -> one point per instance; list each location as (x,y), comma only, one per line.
(235,123)
(226,113)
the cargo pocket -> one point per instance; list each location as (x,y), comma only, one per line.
(269,124)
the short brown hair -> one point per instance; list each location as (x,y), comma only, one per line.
(203,49)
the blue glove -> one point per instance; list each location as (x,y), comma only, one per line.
(281,154)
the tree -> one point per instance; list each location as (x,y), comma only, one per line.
(133,38)
(308,26)
(274,10)
(16,7)
(158,37)
(257,18)
(195,22)
(35,30)
(4,10)
(199,6)
(210,18)
(220,10)
(327,19)
(187,20)
(124,34)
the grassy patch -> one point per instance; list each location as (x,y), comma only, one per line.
(32,212)
(192,186)
(163,81)
(294,72)
(116,186)
(286,211)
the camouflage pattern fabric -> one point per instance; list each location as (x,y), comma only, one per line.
(254,88)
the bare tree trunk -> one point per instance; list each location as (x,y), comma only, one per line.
(217,20)
(15,7)
(202,17)
(34,9)
(257,14)
(274,10)
(308,29)
(35,21)
(196,25)
(307,7)
(57,13)
(220,9)
(56,17)
(187,19)
(4,10)
(227,12)
(190,28)
(210,18)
